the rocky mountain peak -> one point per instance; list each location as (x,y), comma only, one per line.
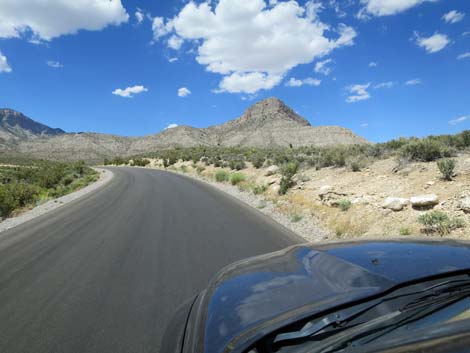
(19,125)
(272,110)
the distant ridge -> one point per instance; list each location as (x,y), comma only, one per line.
(267,123)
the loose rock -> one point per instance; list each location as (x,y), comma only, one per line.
(274,169)
(395,203)
(424,200)
(465,204)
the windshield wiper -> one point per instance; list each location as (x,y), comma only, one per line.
(409,305)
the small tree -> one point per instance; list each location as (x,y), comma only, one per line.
(446,167)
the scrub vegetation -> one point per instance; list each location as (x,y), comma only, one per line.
(24,185)
(352,190)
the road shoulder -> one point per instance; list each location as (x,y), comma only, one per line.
(9,223)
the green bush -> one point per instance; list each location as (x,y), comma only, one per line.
(200,169)
(260,189)
(446,167)
(439,222)
(296,218)
(425,150)
(258,160)
(405,231)
(344,205)
(237,164)
(237,178)
(288,170)
(221,176)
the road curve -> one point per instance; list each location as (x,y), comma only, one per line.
(106,272)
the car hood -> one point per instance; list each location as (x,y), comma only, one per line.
(251,298)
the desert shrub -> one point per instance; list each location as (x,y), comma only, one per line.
(200,169)
(184,169)
(425,150)
(446,167)
(258,160)
(140,162)
(237,164)
(288,170)
(404,231)
(259,189)
(439,222)
(237,178)
(296,218)
(221,176)
(344,205)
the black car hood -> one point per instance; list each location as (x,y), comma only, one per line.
(251,298)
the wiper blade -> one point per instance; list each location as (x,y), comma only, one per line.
(337,322)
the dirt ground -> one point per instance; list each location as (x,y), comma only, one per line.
(316,194)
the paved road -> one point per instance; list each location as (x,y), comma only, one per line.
(106,272)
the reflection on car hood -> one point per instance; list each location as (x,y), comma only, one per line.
(250,298)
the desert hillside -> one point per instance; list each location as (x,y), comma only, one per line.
(267,124)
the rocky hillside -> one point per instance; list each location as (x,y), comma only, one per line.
(15,126)
(268,123)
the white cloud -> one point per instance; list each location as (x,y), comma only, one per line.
(175,42)
(171,126)
(415,81)
(253,45)
(159,28)
(459,120)
(129,92)
(373,64)
(358,93)
(464,55)
(248,82)
(183,92)
(293,82)
(453,16)
(4,67)
(172,60)
(139,16)
(387,7)
(45,20)
(434,43)
(388,84)
(55,64)
(322,68)
(364,125)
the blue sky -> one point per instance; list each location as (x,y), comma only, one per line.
(383,68)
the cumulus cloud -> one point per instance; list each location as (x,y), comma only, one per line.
(139,16)
(183,92)
(55,64)
(4,67)
(387,7)
(45,20)
(293,82)
(434,43)
(415,81)
(322,68)
(253,44)
(175,42)
(459,120)
(453,16)
(129,92)
(358,93)
(388,84)
(373,64)
(172,60)
(464,55)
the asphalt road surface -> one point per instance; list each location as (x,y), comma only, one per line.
(106,272)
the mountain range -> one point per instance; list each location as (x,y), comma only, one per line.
(267,123)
